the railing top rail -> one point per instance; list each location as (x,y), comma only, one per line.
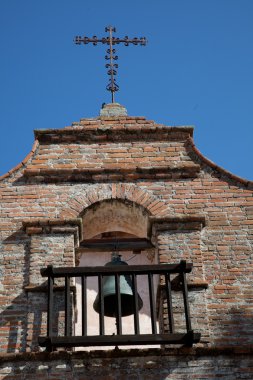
(121,269)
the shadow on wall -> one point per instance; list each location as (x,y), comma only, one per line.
(22,320)
(230,329)
(13,319)
(26,319)
(13,323)
(233,328)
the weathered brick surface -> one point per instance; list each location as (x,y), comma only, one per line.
(126,365)
(150,166)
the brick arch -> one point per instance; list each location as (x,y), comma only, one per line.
(115,215)
(97,193)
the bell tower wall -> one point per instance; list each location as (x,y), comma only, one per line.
(193,210)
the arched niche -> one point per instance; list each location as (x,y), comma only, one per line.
(114,219)
(115,215)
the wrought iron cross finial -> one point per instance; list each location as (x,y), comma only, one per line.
(111,41)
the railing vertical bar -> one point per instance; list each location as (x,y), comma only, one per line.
(101,305)
(84,305)
(136,309)
(185,296)
(50,303)
(152,303)
(118,297)
(169,303)
(67,306)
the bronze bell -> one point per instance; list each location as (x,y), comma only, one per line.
(109,290)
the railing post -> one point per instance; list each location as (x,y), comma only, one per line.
(185,295)
(136,311)
(84,305)
(101,305)
(67,306)
(152,303)
(169,303)
(118,298)
(50,304)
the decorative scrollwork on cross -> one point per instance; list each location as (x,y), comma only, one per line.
(111,56)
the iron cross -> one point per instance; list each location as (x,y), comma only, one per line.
(110,56)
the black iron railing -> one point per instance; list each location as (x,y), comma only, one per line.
(164,271)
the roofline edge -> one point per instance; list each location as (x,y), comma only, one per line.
(22,163)
(214,166)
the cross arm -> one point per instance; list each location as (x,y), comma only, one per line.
(106,40)
(85,40)
(127,41)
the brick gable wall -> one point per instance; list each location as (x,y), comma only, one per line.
(197,211)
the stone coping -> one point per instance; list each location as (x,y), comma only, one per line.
(115,132)
(52,222)
(113,174)
(40,226)
(191,285)
(126,353)
(194,221)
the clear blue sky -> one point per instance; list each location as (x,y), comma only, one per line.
(197,69)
